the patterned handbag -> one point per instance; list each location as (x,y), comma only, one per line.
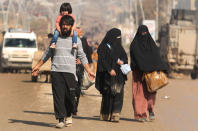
(155,80)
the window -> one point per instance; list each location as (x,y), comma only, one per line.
(21,43)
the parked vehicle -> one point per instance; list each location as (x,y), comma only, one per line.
(45,68)
(18,50)
(181,49)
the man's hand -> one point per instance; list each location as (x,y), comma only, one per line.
(112,72)
(78,61)
(35,71)
(91,75)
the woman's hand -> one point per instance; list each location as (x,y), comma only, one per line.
(120,62)
(112,72)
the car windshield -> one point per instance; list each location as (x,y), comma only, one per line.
(21,43)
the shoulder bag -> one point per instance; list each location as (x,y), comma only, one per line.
(155,80)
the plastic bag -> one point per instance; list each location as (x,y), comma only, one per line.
(125,68)
(86,82)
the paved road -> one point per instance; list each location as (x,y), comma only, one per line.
(27,106)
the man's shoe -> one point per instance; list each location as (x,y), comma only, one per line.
(60,125)
(68,121)
(151,116)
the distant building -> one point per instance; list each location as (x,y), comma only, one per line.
(193,5)
(185,4)
(189,16)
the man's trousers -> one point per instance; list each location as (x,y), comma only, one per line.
(64,94)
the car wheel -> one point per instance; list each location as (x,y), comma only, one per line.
(193,75)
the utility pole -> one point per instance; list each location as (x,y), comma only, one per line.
(157,20)
(4,15)
(136,15)
(130,10)
(7,14)
(52,18)
(19,12)
(142,10)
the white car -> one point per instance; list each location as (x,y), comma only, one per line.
(18,50)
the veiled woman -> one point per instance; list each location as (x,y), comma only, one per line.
(109,78)
(145,57)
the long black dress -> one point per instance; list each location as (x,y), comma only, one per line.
(111,87)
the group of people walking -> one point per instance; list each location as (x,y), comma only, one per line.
(109,78)
(144,57)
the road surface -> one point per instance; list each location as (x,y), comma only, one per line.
(27,106)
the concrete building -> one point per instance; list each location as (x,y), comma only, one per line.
(185,4)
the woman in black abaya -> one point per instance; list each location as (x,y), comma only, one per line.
(109,78)
(145,57)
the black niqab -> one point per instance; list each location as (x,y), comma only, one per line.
(111,53)
(145,54)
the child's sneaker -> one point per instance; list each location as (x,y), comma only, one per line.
(74,46)
(53,45)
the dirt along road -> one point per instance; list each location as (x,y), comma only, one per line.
(27,106)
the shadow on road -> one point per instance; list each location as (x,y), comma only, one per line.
(128,119)
(75,117)
(29,81)
(31,123)
(124,119)
(36,112)
(86,118)
(92,95)
(98,119)
(50,94)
